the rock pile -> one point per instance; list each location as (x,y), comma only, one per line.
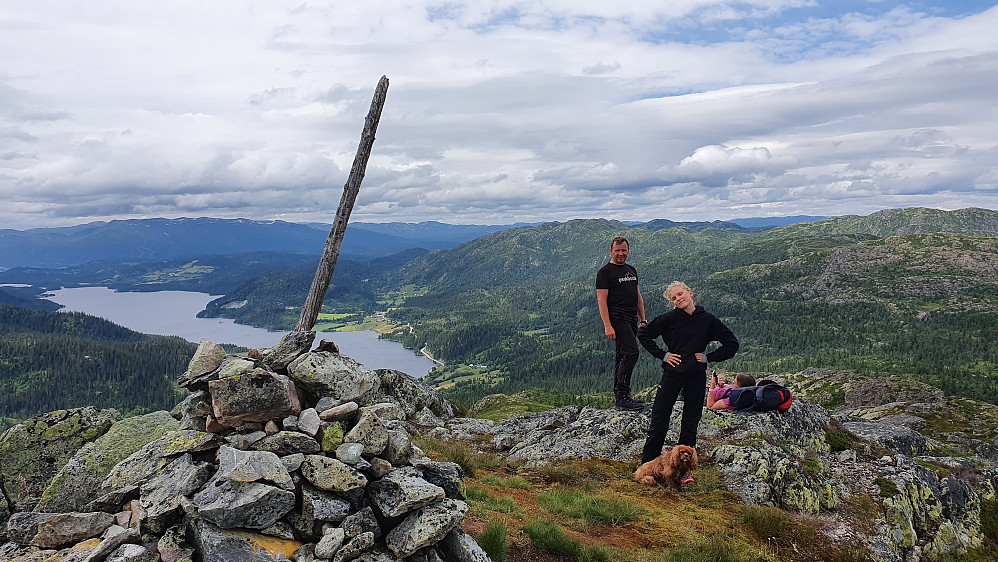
(279,454)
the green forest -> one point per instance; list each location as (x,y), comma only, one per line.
(910,292)
(51,361)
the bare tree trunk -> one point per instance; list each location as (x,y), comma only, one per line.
(324,272)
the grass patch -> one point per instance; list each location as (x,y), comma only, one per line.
(468,458)
(888,489)
(711,549)
(549,536)
(562,474)
(812,466)
(592,510)
(480,497)
(839,438)
(516,482)
(494,540)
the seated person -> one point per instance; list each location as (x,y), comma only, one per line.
(717,393)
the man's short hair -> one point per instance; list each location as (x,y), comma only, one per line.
(619,240)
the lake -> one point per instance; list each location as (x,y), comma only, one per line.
(174,313)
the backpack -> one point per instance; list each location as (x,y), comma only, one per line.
(764,397)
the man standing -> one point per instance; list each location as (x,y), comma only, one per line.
(686,331)
(621,307)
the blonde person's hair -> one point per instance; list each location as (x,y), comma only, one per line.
(673,285)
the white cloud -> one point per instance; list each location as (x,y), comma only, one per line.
(498,111)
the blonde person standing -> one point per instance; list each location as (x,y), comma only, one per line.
(685,331)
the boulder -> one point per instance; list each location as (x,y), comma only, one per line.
(72,488)
(160,495)
(34,451)
(289,349)
(401,491)
(369,431)
(220,545)
(257,396)
(208,357)
(250,466)
(458,545)
(425,526)
(252,505)
(411,394)
(331,475)
(322,374)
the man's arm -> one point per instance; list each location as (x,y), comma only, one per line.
(604,313)
(641,308)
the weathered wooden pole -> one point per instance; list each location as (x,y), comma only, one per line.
(324,272)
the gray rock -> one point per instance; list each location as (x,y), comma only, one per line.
(257,396)
(280,530)
(172,546)
(327,402)
(425,527)
(34,451)
(61,529)
(871,392)
(235,366)
(330,543)
(471,426)
(208,357)
(447,475)
(379,467)
(23,526)
(350,453)
(370,431)
(427,555)
(290,423)
(897,438)
(426,418)
(252,505)
(160,495)
(343,412)
(318,505)
(155,455)
(388,411)
(459,546)
(250,466)
(331,475)
(195,411)
(398,448)
(354,547)
(244,441)
(220,545)
(132,553)
(332,374)
(411,394)
(378,554)
(293,461)
(361,521)
(285,443)
(290,348)
(401,491)
(308,422)
(72,488)
(572,432)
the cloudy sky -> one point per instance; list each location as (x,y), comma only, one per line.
(498,110)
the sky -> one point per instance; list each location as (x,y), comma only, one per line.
(498,111)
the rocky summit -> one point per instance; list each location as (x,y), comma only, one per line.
(305,454)
(280,454)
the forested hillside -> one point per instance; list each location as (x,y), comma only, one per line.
(800,296)
(51,361)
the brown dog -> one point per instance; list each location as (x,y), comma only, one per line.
(671,467)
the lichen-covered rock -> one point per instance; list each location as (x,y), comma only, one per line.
(398,448)
(287,443)
(290,348)
(331,475)
(250,466)
(33,452)
(425,526)
(160,495)
(401,491)
(898,438)
(572,432)
(412,395)
(355,547)
(257,396)
(60,529)
(322,374)
(72,488)
(369,431)
(220,545)
(250,505)
(208,357)
(156,455)
(458,545)
(447,475)
(195,411)
(317,505)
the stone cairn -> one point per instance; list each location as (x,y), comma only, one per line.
(274,458)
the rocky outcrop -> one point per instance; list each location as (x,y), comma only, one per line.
(262,466)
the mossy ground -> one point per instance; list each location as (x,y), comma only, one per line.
(696,523)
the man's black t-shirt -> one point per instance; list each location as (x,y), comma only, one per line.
(621,282)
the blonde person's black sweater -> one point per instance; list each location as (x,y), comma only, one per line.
(687,335)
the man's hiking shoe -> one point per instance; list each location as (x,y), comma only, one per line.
(630,405)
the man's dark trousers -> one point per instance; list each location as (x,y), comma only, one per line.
(627,353)
(694,385)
